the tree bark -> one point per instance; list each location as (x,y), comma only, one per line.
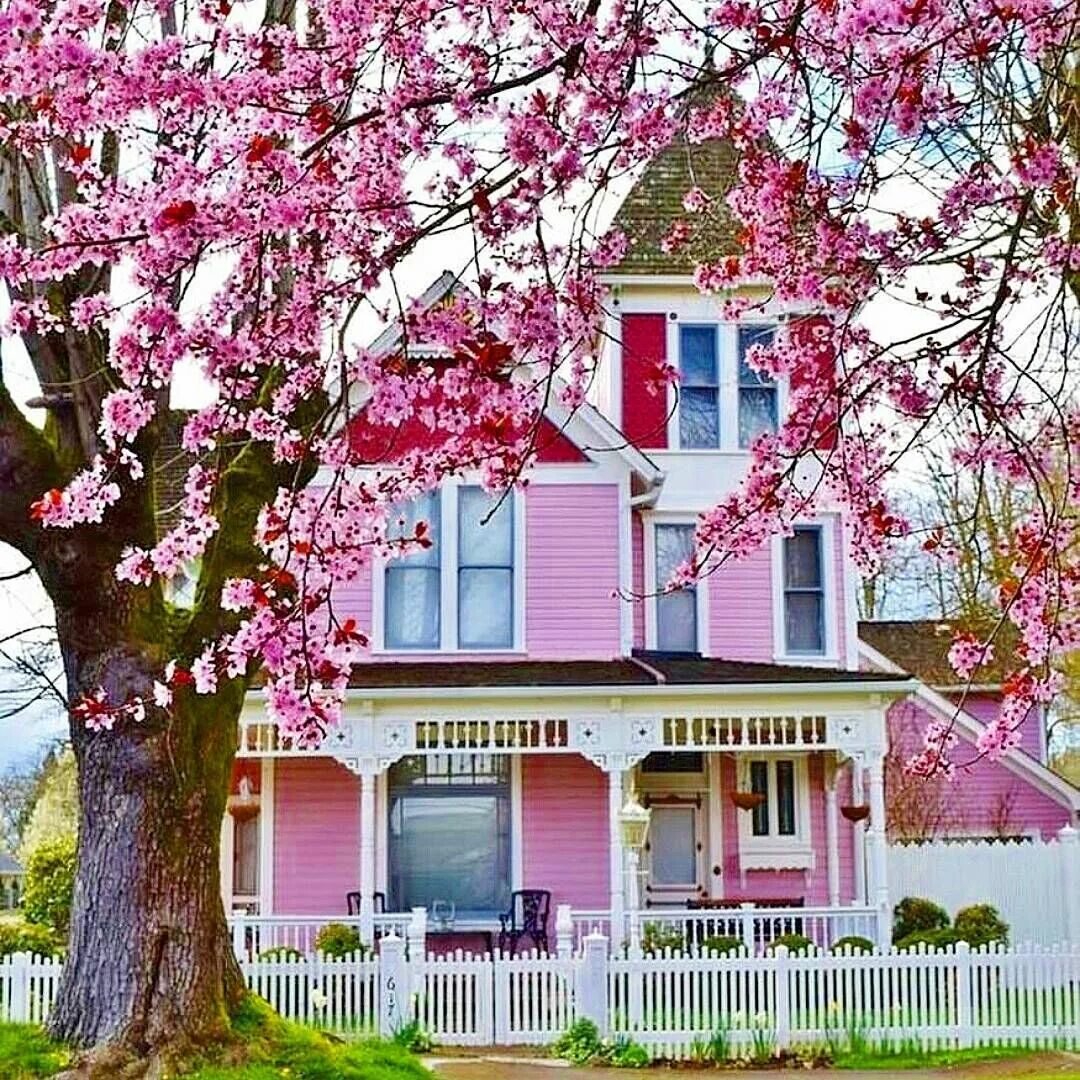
(150,971)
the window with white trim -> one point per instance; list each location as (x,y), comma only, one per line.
(776,815)
(699,387)
(460,591)
(804,592)
(676,611)
(758,405)
(775,835)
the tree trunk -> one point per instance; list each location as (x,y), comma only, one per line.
(150,970)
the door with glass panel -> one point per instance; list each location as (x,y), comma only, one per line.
(674,851)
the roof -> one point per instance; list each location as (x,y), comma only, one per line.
(921,646)
(656,202)
(645,669)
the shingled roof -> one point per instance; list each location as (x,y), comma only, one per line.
(921,646)
(656,202)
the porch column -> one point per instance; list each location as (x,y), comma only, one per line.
(878,855)
(368,774)
(832,836)
(617,861)
(858,833)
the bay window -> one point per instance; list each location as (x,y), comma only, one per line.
(804,592)
(676,611)
(461,592)
(449,833)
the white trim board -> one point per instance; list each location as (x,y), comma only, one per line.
(1016,761)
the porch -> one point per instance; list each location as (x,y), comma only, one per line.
(453,798)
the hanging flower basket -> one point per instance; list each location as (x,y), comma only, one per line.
(243,807)
(747,800)
(856,811)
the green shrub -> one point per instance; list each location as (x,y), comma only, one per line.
(19,936)
(579,1044)
(412,1036)
(627,1054)
(281,952)
(914,915)
(796,943)
(721,945)
(339,941)
(50,883)
(940,938)
(981,924)
(656,937)
(853,943)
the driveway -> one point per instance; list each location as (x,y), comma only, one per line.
(514,1067)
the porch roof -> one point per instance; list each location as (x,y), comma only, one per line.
(644,669)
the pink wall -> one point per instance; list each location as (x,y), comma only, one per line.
(572,572)
(316,836)
(565,843)
(985,707)
(740,609)
(984,797)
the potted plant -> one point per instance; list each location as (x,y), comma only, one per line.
(747,800)
(856,811)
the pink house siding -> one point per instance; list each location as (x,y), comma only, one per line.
(985,707)
(985,797)
(572,571)
(637,578)
(316,836)
(565,840)
(740,609)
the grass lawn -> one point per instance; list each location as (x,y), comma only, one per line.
(266,1048)
(930,1059)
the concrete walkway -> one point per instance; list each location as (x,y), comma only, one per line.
(514,1067)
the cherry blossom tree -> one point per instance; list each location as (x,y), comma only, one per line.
(231,186)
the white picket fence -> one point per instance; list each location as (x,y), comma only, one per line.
(958,997)
(1034,884)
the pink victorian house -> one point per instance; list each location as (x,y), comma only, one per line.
(513,701)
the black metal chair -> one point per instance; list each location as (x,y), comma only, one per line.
(527,918)
(352,902)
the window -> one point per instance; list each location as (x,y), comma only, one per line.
(245,868)
(676,612)
(449,832)
(776,816)
(673,858)
(665,761)
(461,592)
(485,570)
(804,593)
(757,392)
(413,582)
(699,388)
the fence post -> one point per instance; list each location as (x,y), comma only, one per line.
(747,910)
(1069,850)
(19,1004)
(963,994)
(564,931)
(416,933)
(394,1004)
(592,981)
(239,936)
(781,971)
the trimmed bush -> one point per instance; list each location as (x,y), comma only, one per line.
(852,943)
(281,952)
(339,941)
(50,883)
(579,1044)
(796,943)
(914,915)
(722,945)
(16,935)
(656,937)
(941,938)
(981,924)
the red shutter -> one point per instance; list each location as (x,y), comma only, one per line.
(644,391)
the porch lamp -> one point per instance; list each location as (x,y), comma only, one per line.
(633,825)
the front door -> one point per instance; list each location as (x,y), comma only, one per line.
(674,852)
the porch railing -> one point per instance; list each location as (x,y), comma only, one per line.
(255,935)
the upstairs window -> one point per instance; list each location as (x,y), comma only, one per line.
(459,593)
(414,581)
(676,612)
(758,408)
(699,388)
(804,593)
(485,586)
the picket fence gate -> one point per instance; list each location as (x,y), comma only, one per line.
(951,998)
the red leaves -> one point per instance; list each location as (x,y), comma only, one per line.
(348,634)
(80,153)
(39,509)
(259,147)
(488,355)
(320,118)
(178,214)
(481,201)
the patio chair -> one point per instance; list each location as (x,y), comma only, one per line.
(527,918)
(352,902)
